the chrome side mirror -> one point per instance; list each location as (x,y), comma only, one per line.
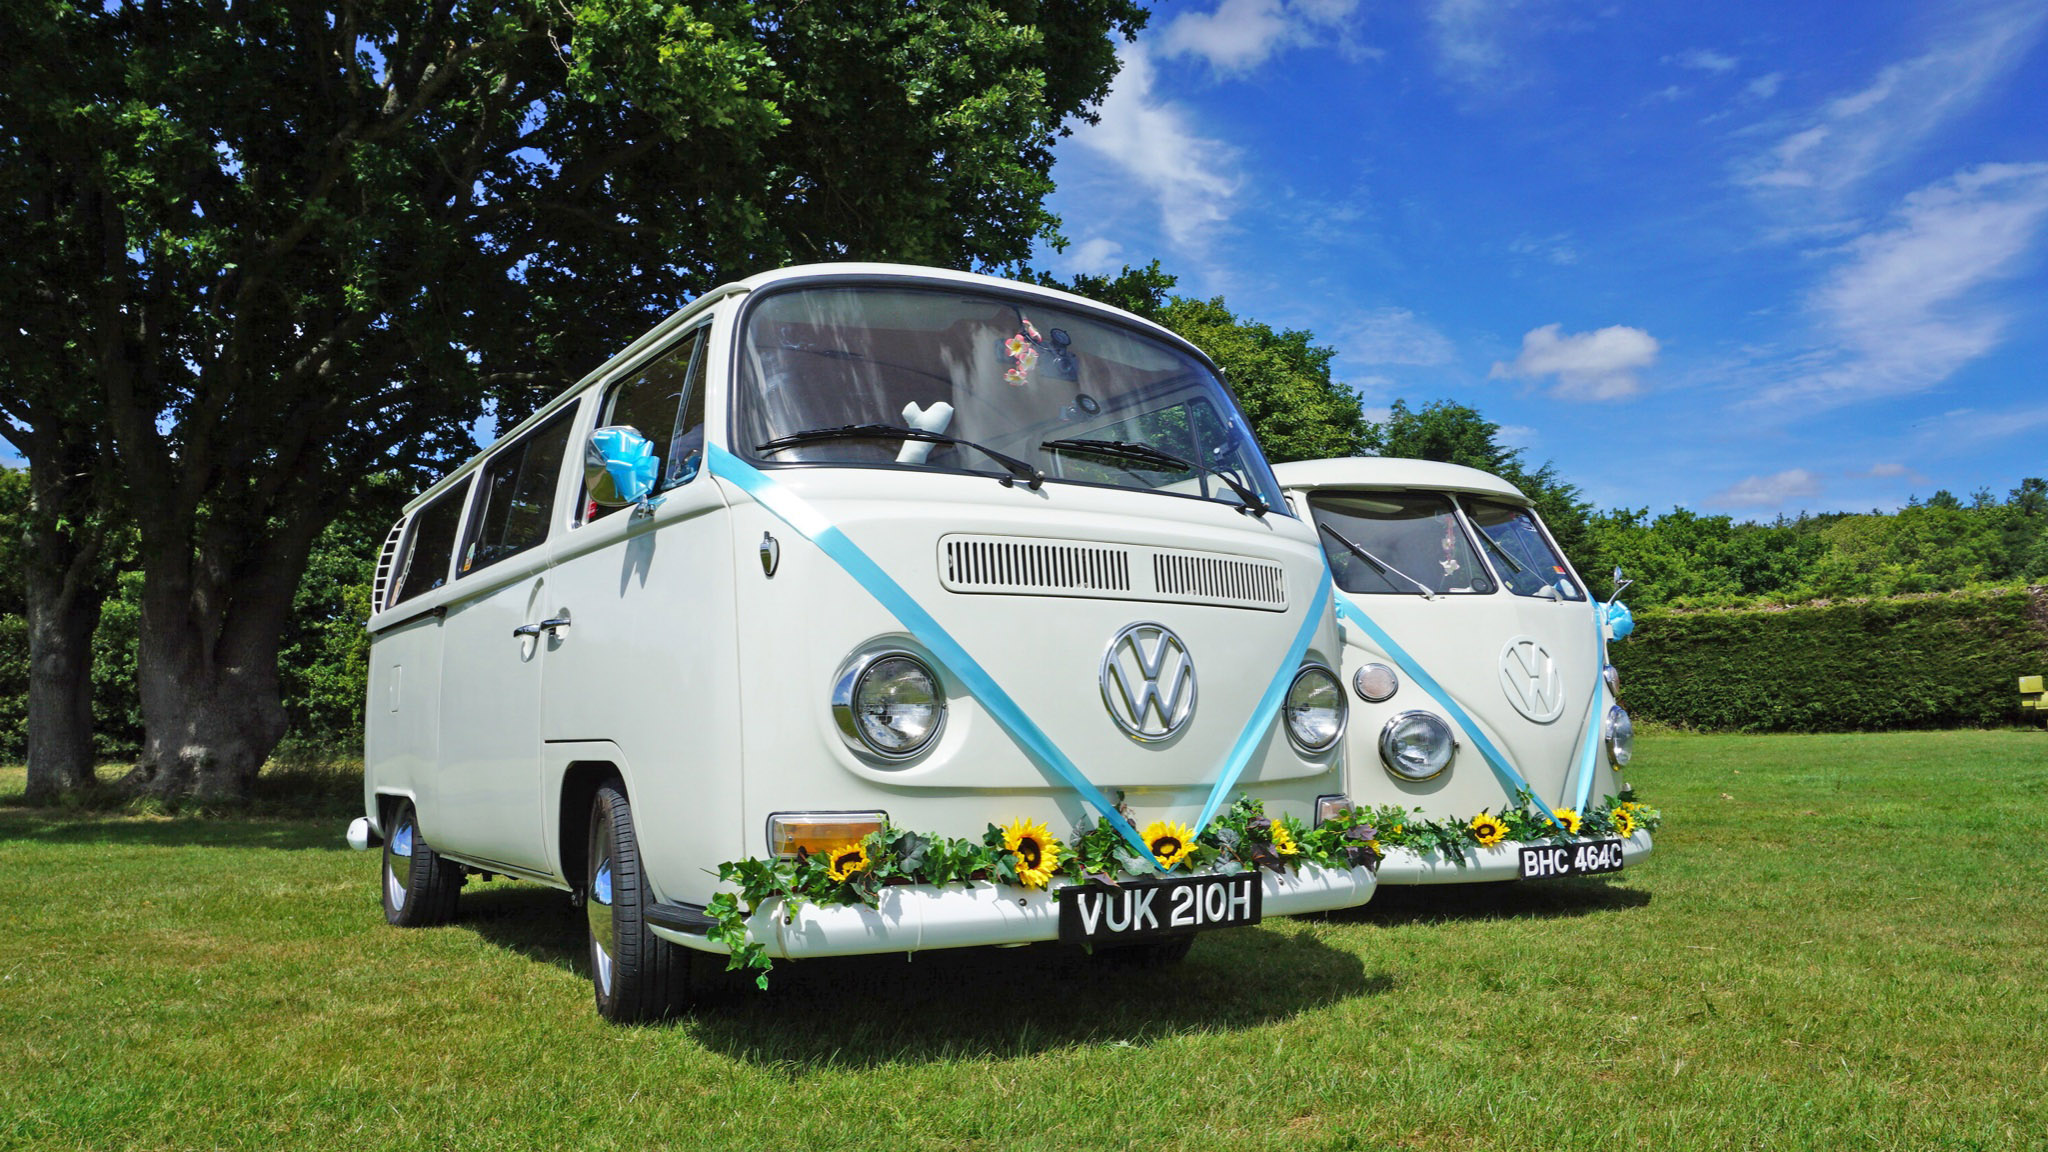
(619,468)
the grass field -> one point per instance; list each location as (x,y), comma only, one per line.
(1839,944)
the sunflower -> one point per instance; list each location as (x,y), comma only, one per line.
(1568,818)
(1487,830)
(1283,840)
(1036,853)
(1170,842)
(847,859)
(1623,820)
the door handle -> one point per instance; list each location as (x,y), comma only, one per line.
(548,626)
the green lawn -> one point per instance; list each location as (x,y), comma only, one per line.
(1839,944)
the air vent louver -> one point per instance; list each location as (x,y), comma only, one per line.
(1023,566)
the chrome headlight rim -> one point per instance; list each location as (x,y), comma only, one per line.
(846,688)
(1621,736)
(1336,693)
(1359,678)
(1394,724)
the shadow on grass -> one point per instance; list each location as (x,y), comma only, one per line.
(66,826)
(863,1011)
(1508,900)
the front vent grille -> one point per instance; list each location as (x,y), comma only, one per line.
(993,565)
(1023,566)
(1201,577)
(382,586)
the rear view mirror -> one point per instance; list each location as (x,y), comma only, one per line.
(619,467)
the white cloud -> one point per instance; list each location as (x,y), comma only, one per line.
(1703,60)
(1557,249)
(1852,135)
(1909,306)
(1097,255)
(1392,336)
(1470,37)
(1599,365)
(1773,491)
(1193,178)
(1240,35)
(1889,468)
(1764,87)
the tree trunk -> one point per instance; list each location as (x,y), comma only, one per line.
(206,665)
(60,627)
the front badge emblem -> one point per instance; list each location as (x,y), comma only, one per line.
(1530,680)
(1148,682)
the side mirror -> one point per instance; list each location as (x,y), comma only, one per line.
(619,467)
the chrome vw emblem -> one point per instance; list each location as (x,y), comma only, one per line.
(1148,682)
(1530,679)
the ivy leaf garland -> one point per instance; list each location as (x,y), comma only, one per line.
(1242,837)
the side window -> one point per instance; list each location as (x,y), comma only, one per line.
(516,503)
(425,566)
(664,403)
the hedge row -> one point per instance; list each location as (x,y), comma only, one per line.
(1935,661)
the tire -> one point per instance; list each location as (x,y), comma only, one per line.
(1162,952)
(420,887)
(634,974)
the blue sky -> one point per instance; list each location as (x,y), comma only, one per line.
(1747,258)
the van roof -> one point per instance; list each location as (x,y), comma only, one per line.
(797,272)
(1392,472)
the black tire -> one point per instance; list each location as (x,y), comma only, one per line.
(634,974)
(1160,952)
(420,887)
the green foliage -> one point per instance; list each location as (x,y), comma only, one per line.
(1860,665)
(13,689)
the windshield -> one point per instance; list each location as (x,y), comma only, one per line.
(987,377)
(1520,552)
(1397,543)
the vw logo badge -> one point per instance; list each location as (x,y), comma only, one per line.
(1148,682)
(1530,680)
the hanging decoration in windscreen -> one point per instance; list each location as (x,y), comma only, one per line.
(1619,620)
(1024,349)
(619,468)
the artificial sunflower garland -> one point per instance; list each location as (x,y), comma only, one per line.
(1024,853)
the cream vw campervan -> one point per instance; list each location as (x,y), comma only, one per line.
(1485,710)
(884,584)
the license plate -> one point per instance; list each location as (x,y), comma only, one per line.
(1588,859)
(1095,913)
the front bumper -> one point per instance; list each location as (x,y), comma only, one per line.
(915,917)
(1500,862)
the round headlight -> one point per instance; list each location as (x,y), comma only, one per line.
(889,704)
(1416,745)
(1621,737)
(1375,683)
(1315,709)
(1612,677)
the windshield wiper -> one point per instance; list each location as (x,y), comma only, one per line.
(1018,469)
(1382,566)
(1501,552)
(1146,454)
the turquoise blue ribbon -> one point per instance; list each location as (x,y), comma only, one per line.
(1503,769)
(813,526)
(1269,704)
(1589,756)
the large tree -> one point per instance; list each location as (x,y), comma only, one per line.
(276,247)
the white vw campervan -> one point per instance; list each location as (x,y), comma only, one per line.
(1487,734)
(936,610)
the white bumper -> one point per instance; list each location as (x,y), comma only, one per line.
(1500,862)
(915,917)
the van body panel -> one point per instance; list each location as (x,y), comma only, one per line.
(482,797)
(402,714)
